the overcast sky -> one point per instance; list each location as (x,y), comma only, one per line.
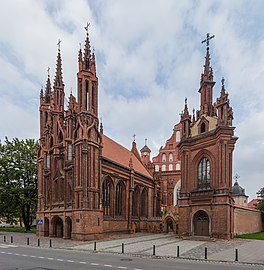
(149,58)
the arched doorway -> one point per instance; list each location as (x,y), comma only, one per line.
(46,226)
(201,223)
(169,225)
(58,227)
(68,224)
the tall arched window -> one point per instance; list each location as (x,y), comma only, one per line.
(163,168)
(144,204)
(203,127)
(163,157)
(178,136)
(106,197)
(48,161)
(135,202)
(204,176)
(170,167)
(178,166)
(156,168)
(170,157)
(70,152)
(119,199)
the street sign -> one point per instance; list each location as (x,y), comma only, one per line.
(40,221)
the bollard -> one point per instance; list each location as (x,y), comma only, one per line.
(154,250)
(27,241)
(123,248)
(236,255)
(94,246)
(38,242)
(4,238)
(205,253)
(11,240)
(178,251)
(50,243)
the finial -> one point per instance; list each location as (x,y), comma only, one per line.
(134,136)
(80,44)
(71,91)
(236,177)
(193,111)
(223,81)
(87,27)
(207,40)
(58,44)
(146,141)
(186,101)
(48,71)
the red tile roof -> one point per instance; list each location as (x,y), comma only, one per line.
(253,203)
(121,155)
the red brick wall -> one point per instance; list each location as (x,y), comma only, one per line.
(247,221)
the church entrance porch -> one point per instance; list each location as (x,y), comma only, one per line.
(57,226)
(201,223)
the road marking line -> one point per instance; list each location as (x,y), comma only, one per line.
(60,260)
(94,263)
(70,261)
(17,254)
(10,253)
(32,256)
(24,255)
(83,262)
(41,257)
(138,269)
(122,267)
(3,252)
(51,259)
(108,265)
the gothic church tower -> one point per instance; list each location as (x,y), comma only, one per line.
(205,203)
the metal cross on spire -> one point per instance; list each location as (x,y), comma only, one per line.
(207,40)
(236,177)
(146,141)
(134,136)
(223,81)
(48,70)
(87,27)
(59,42)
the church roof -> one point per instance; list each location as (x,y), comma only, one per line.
(145,149)
(121,155)
(237,189)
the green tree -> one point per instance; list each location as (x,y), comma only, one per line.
(260,204)
(18,180)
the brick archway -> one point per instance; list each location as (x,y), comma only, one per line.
(201,223)
(57,226)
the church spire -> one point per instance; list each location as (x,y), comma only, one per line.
(186,120)
(87,50)
(207,83)
(48,88)
(58,82)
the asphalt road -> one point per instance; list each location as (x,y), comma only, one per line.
(32,258)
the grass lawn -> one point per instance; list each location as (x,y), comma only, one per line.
(257,236)
(17,229)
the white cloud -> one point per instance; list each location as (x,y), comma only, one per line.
(149,58)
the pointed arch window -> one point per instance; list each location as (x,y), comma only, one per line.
(163,157)
(48,161)
(203,127)
(204,174)
(135,202)
(87,95)
(144,204)
(106,197)
(119,199)
(170,157)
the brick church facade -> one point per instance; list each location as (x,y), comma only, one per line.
(89,185)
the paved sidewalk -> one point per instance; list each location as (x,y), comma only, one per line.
(250,251)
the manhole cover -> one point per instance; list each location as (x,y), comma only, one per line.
(126,259)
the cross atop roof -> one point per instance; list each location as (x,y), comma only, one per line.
(134,136)
(207,40)
(59,42)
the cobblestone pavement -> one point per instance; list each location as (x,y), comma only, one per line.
(251,251)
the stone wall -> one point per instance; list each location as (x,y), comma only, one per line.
(247,220)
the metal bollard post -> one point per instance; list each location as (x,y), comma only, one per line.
(123,248)
(236,255)
(205,253)
(178,251)
(154,250)
(4,238)
(11,240)
(38,242)
(50,243)
(27,241)
(94,246)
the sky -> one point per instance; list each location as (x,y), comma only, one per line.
(149,58)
